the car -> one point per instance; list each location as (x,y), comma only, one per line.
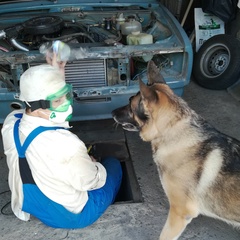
(110,45)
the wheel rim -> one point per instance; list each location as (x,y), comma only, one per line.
(215,61)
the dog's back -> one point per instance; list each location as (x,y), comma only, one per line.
(218,186)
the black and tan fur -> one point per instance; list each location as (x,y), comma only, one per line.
(199,167)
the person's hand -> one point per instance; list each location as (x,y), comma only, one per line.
(51,59)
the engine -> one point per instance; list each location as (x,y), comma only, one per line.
(31,34)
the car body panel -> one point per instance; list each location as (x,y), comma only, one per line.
(103,68)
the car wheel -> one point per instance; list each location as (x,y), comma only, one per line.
(217,63)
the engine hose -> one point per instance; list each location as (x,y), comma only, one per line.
(70,35)
(18,45)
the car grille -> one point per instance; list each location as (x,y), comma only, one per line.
(86,73)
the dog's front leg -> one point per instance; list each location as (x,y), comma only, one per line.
(178,219)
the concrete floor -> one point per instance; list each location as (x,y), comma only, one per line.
(126,220)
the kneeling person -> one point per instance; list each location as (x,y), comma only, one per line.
(51,175)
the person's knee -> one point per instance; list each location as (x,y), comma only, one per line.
(113,168)
(111,163)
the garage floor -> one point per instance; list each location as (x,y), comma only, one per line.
(136,215)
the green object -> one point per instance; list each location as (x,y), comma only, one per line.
(63,95)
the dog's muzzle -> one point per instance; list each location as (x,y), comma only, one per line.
(130,127)
(121,116)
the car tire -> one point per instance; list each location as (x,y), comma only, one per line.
(217,63)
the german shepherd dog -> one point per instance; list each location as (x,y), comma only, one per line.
(198,166)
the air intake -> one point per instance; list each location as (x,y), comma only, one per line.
(86,73)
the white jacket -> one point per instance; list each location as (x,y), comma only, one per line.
(58,159)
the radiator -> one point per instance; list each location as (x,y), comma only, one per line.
(86,73)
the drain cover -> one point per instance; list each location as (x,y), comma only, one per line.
(129,190)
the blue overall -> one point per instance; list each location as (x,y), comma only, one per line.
(52,213)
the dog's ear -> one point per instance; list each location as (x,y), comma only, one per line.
(153,73)
(147,92)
